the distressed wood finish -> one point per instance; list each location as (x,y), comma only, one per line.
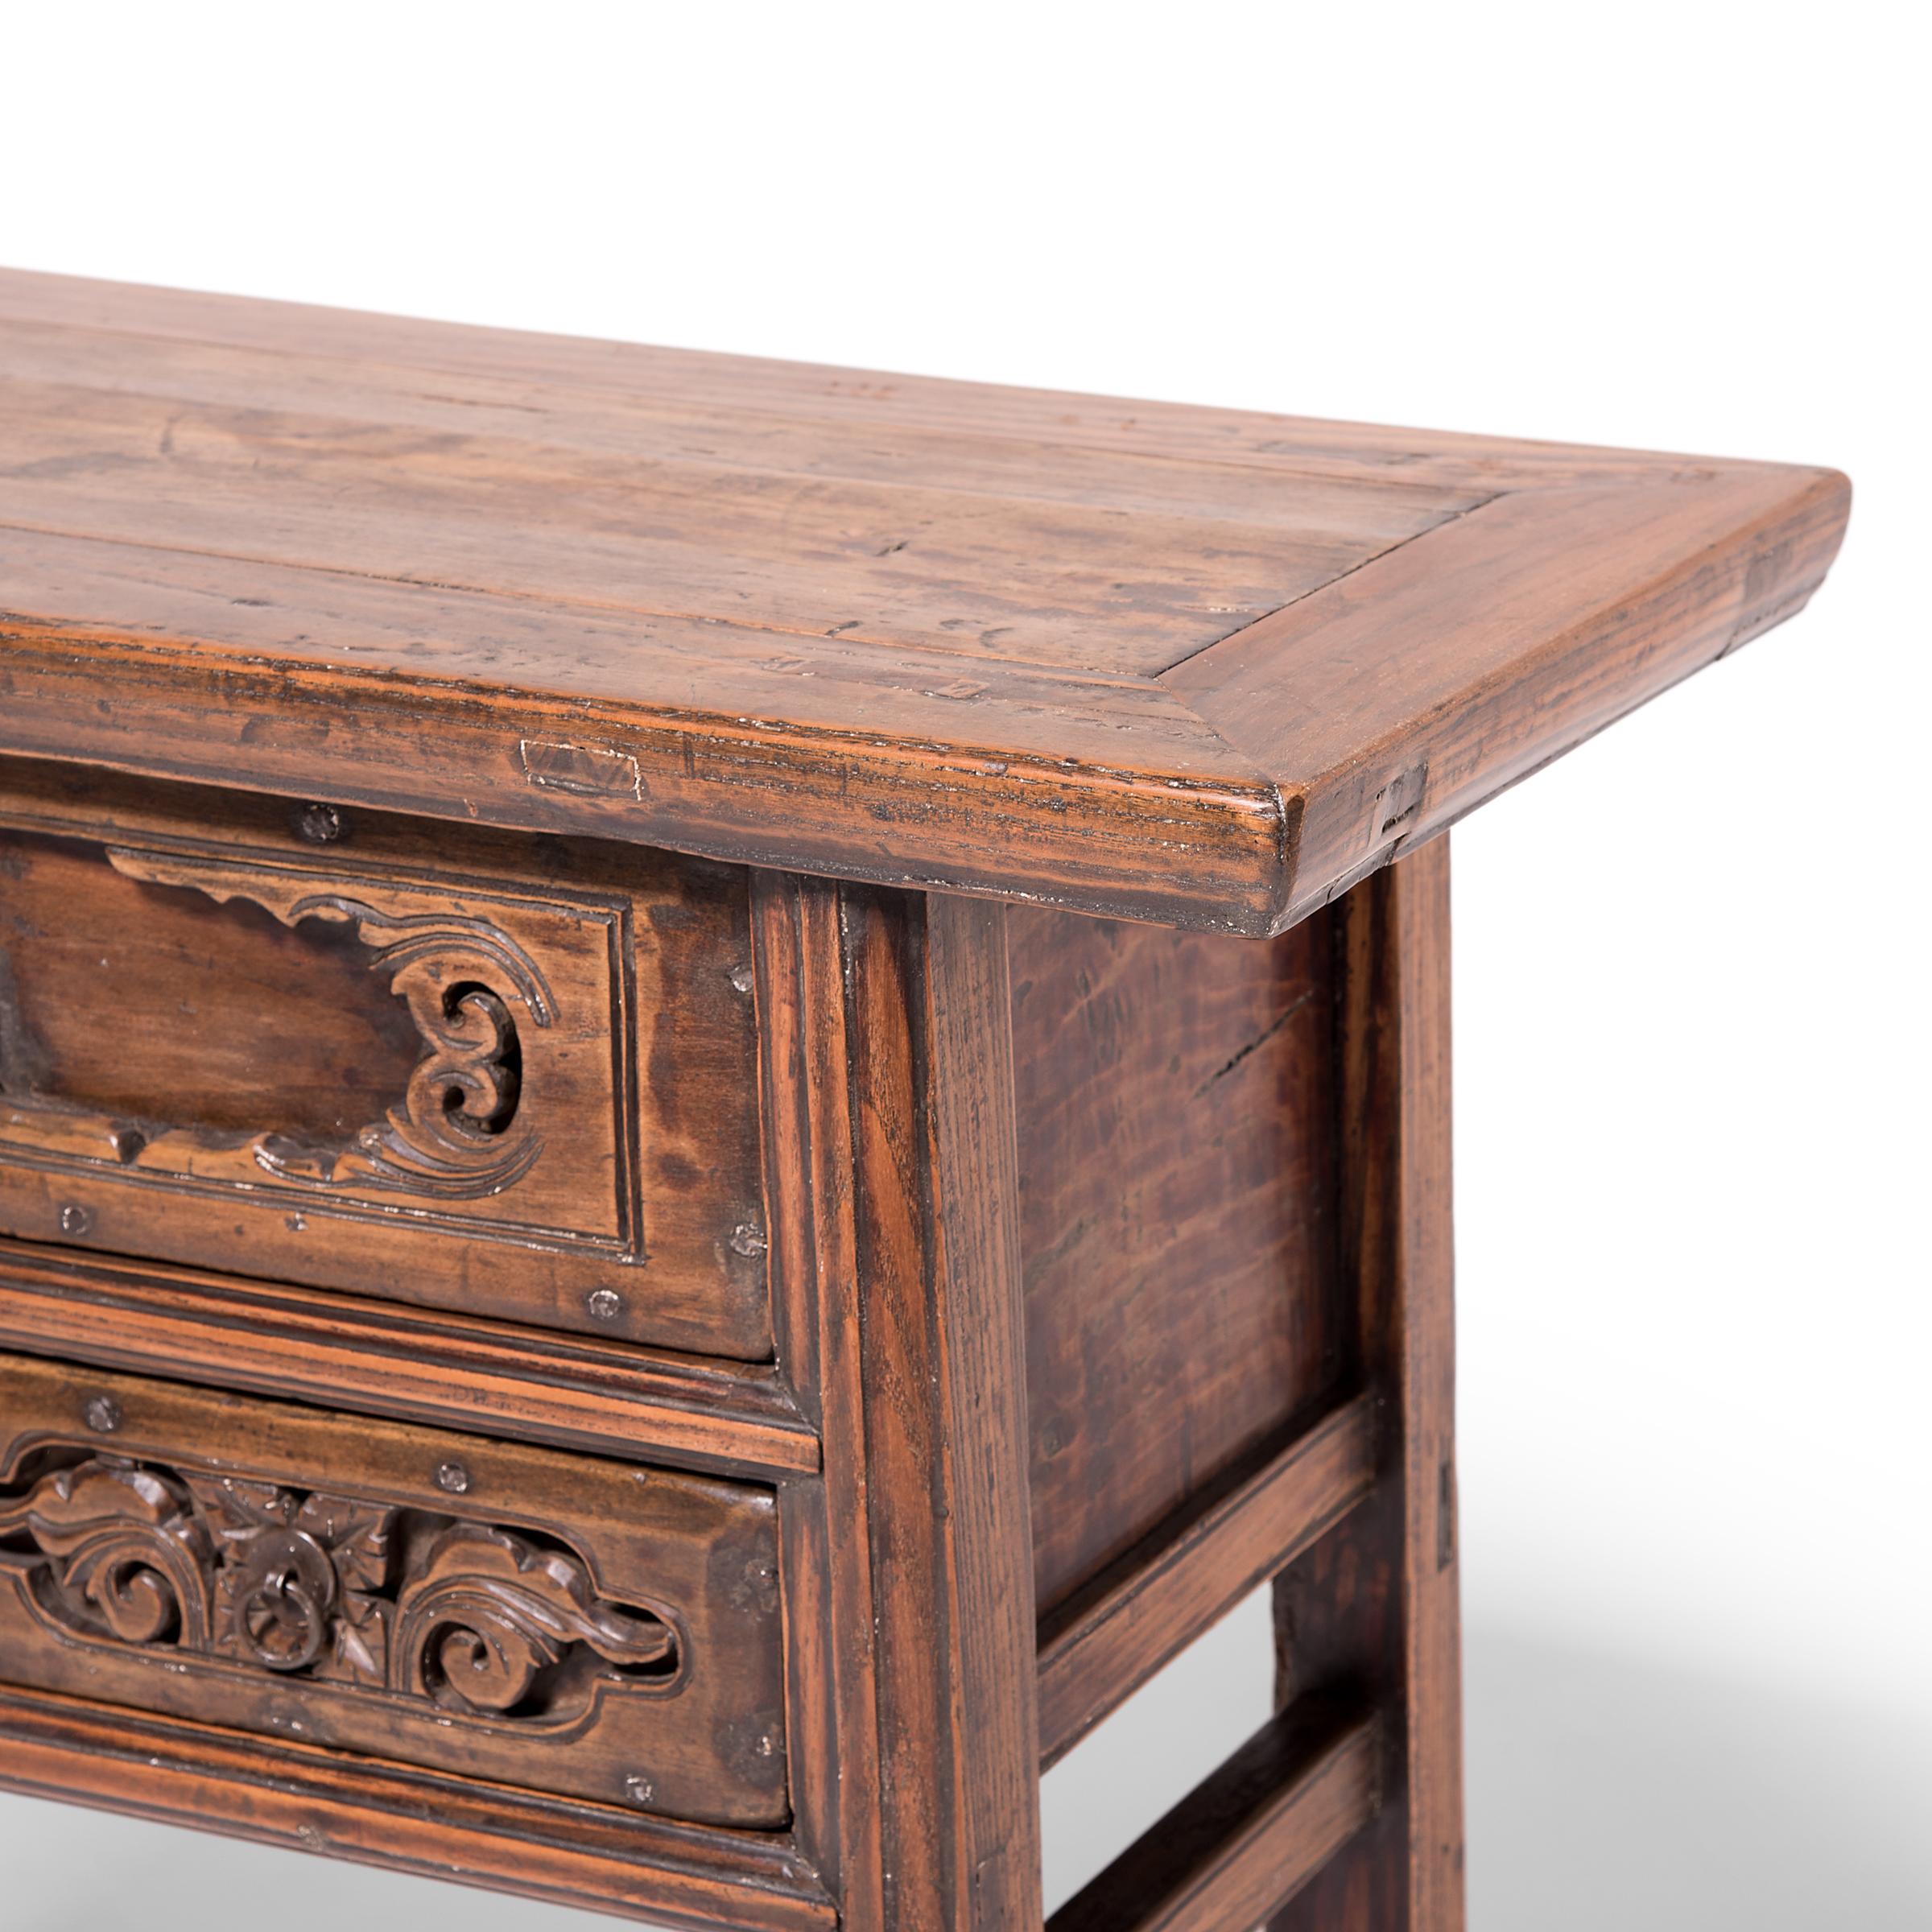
(1175,1184)
(778,998)
(1376,1601)
(912,1629)
(339,1048)
(1179,664)
(576,1392)
(585,1628)
(383,1813)
(1292,1797)
(1108,1641)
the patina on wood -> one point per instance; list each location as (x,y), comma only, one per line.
(505,1077)
(1178,664)
(563,1623)
(785,1347)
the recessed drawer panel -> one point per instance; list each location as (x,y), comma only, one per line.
(512,1075)
(577,1626)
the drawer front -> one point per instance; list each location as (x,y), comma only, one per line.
(515,1076)
(583,1627)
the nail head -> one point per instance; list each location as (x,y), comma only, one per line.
(321,824)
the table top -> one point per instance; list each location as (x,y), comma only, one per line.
(1186,664)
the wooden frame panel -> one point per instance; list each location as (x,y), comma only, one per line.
(621,1196)
(1176,1232)
(496,1611)
(1350,1801)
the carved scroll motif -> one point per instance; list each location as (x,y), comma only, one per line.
(129,1559)
(481,1622)
(458,1131)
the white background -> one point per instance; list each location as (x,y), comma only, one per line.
(1692,1078)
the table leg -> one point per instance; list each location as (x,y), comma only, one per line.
(1375,1601)
(914,1653)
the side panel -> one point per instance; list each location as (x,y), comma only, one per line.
(1177,1236)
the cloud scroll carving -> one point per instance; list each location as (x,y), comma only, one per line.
(480,1621)
(459,1131)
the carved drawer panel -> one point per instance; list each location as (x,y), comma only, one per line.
(578,1626)
(450,1067)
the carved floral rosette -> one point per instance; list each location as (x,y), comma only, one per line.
(484,1623)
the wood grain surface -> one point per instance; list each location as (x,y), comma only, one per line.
(1375,1604)
(1136,1617)
(578,1392)
(279,1792)
(504,1075)
(1242,1840)
(1174,1102)
(910,1625)
(563,1623)
(1178,664)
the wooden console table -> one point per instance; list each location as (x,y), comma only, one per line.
(724,1088)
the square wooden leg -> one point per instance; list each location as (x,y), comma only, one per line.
(911,1612)
(1375,1601)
